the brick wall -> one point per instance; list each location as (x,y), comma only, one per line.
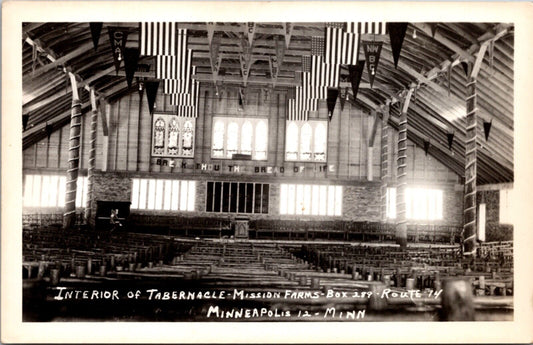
(494,231)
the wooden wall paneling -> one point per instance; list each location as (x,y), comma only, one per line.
(99,137)
(63,155)
(40,159)
(28,157)
(344,140)
(145,128)
(376,151)
(123,115)
(205,107)
(133,132)
(53,150)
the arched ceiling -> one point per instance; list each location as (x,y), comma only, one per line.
(431,63)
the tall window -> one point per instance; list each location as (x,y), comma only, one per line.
(172,136)
(246,136)
(306,141)
(233,197)
(420,203)
(49,191)
(156,194)
(314,200)
(505,206)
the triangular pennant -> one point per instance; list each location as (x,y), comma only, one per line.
(332,100)
(214,55)
(287,30)
(131,59)
(151,94)
(344,94)
(450,140)
(486,127)
(117,38)
(245,60)
(210,31)
(465,67)
(426,147)
(250,31)
(140,83)
(372,52)
(241,97)
(96,29)
(48,130)
(434,28)
(356,72)
(397,34)
(25,119)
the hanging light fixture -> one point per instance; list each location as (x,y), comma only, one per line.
(414,33)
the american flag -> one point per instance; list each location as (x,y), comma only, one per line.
(174,67)
(187,111)
(306,63)
(317,45)
(378,28)
(323,74)
(294,113)
(189,99)
(303,102)
(178,85)
(341,47)
(160,38)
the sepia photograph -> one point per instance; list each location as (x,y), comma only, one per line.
(253,172)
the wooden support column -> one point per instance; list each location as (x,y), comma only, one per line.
(69,217)
(92,156)
(469,204)
(384,161)
(401,224)
(370,149)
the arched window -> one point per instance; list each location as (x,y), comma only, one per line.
(320,142)
(291,141)
(173,137)
(187,136)
(246,138)
(233,139)
(159,136)
(261,139)
(218,139)
(305,142)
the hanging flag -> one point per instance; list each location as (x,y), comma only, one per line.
(377,28)
(306,63)
(465,67)
(96,29)
(245,60)
(159,38)
(303,102)
(174,67)
(341,47)
(188,98)
(151,94)
(250,32)
(332,100)
(322,74)
(210,31)
(486,127)
(356,72)
(294,113)
(131,59)
(317,45)
(426,147)
(344,96)
(397,34)
(287,29)
(117,38)
(25,119)
(372,53)
(450,140)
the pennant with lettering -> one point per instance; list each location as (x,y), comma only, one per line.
(465,67)
(486,127)
(332,100)
(25,119)
(151,94)
(96,29)
(287,30)
(426,147)
(210,31)
(117,38)
(372,53)
(344,96)
(214,55)
(450,140)
(356,72)
(245,59)
(131,59)
(250,31)
(397,34)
